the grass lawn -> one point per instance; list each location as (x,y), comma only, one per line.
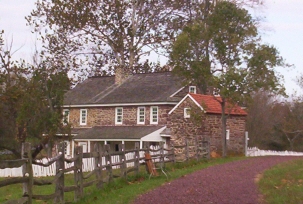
(283,183)
(119,191)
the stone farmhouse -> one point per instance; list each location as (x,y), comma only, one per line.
(150,107)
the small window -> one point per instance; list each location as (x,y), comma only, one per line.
(186,112)
(227,134)
(119,116)
(65,116)
(141,115)
(83,116)
(154,115)
(192,89)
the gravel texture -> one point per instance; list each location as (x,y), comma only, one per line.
(230,183)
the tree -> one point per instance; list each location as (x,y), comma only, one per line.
(111,35)
(105,36)
(223,51)
(30,102)
(290,123)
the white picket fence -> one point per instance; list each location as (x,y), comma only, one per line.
(88,165)
(254,152)
(39,171)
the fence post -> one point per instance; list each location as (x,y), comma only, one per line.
(27,171)
(161,154)
(78,152)
(173,151)
(246,143)
(186,149)
(108,162)
(146,150)
(98,164)
(60,170)
(122,159)
(197,147)
(137,158)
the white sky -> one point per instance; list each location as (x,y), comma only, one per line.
(283,27)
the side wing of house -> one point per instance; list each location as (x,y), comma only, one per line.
(199,116)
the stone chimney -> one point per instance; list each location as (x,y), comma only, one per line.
(121,74)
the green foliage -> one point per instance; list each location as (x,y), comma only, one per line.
(223,51)
(31,97)
(283,183)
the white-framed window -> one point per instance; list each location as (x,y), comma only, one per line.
(192,89)
(119,116)
(154,115)
(141,115)
(65,118)
(67,148)
(186,112)
(83,116)
(227,134)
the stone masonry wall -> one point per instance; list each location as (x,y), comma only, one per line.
(182,128)
(105,116)
(209,126)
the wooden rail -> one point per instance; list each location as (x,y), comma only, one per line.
(102,173)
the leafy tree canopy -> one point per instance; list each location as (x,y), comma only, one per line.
(223,51)
(31,97)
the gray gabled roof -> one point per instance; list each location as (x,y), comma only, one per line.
(117,132)
(138,88)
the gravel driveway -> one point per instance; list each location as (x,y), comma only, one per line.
(230,183)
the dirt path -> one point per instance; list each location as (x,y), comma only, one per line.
(231,183)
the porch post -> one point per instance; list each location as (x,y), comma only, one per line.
(88,146)
(141,144)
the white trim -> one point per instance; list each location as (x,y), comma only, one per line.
(106,140)
(81,122)
(73,147)
(227,134)
(195,89)
(138,115)
(177,92)
(151,115)
(188,95)
(116,116)
(67,149)
(120,104)
(66,116)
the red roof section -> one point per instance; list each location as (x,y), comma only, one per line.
(211,105)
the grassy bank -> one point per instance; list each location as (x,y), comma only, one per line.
(283,183)
(120,191)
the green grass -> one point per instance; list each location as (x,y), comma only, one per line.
(119,191)
(283,183)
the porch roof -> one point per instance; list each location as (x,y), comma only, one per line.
(117,132)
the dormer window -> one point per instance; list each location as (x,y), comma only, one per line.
(192,89)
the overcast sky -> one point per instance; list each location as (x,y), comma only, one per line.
(283,27)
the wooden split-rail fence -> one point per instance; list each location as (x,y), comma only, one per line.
(101,173)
